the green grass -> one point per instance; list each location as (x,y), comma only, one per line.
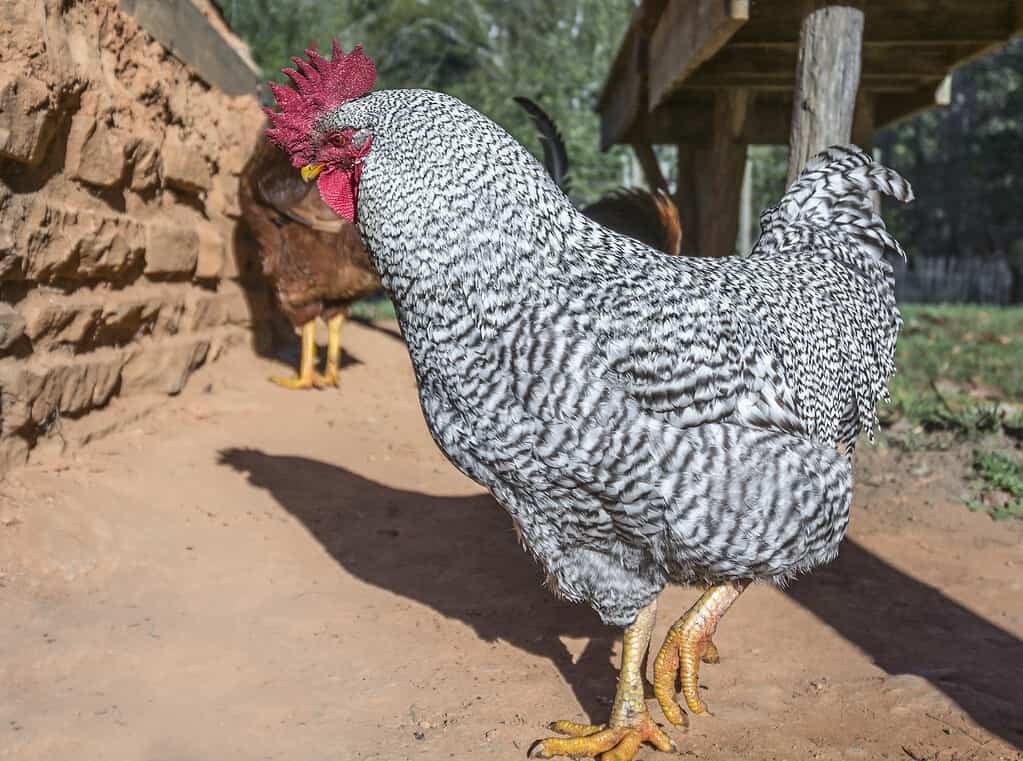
(1001,489)
(374,308)
(960,369)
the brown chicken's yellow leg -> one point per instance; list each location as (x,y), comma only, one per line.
(333,368)
(688,642)
(630,723)
(306,370)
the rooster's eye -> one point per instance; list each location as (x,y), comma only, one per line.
(337,139)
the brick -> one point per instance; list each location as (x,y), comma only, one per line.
(59,323)
(28,121)
(170,250)
(183,165)
(13,453)
(32,397)
(67,243)
(164,366)
(229,306)
(95,153)
(145,166)
(223,196)
(12,326)
(210,259)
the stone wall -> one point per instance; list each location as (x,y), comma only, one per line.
(121,266)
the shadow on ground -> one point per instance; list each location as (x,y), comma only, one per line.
(459,556)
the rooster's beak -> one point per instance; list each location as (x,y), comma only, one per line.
(311,171)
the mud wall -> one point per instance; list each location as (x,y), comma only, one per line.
(122,266)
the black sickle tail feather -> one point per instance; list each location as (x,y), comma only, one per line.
(555,156)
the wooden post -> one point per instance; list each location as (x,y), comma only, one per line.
(710,179)
(863,121)
(745,242)
(827,79)
(651,169)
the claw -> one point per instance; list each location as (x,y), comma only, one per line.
(618,743)
(689,642)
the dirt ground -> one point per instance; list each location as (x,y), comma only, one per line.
(255,573)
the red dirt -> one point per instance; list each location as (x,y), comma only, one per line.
(261,573)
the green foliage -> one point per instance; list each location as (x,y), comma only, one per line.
(482,51)
(1001,493)
(966,162)
(770,167)
(959,371)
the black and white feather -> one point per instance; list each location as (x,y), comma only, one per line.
(643,418)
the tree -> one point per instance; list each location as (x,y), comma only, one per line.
(482,51)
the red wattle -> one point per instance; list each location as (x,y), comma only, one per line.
(340,191)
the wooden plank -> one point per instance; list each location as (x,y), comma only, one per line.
(181,28)
(710,179)
(691,121)
(687,34)
(863,120)
(889,109)
(624,99)
(888,22)
(827,80)
(651,168)
(753,66)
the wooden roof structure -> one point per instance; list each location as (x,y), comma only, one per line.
(713,76)
(677,54)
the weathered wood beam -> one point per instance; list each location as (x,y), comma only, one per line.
(827,80)
(692,121)
(687,34)
(623,99)
(710,179)
(889,109)
(652,173)
(181,28)
(863,120)
(896,23)
(733,67)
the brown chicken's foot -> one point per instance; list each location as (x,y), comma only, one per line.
(332,373)
(307,375)
(688,642)
(630,724)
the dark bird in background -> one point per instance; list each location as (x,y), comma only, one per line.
(651,218)
(315,260)
(644,419)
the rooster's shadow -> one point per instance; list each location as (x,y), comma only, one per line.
(459,556)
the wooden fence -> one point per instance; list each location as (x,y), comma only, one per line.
(957,280)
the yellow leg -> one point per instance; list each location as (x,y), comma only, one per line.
(306,370)
(330,377)
(688,642)
(630,723)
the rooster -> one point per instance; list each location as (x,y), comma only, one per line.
(649,217)
(644,419)
(314,259)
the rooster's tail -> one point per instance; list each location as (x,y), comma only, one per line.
(555,155)
(834,192)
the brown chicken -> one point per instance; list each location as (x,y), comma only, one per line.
(649,217)
(315,260)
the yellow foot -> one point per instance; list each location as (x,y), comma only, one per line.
(611,743)
(295,383)
(687,644)
(329,378)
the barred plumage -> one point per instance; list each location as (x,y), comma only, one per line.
(643,418)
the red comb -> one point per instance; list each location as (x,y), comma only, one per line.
(317,85)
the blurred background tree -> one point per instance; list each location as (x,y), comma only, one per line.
(482,51)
